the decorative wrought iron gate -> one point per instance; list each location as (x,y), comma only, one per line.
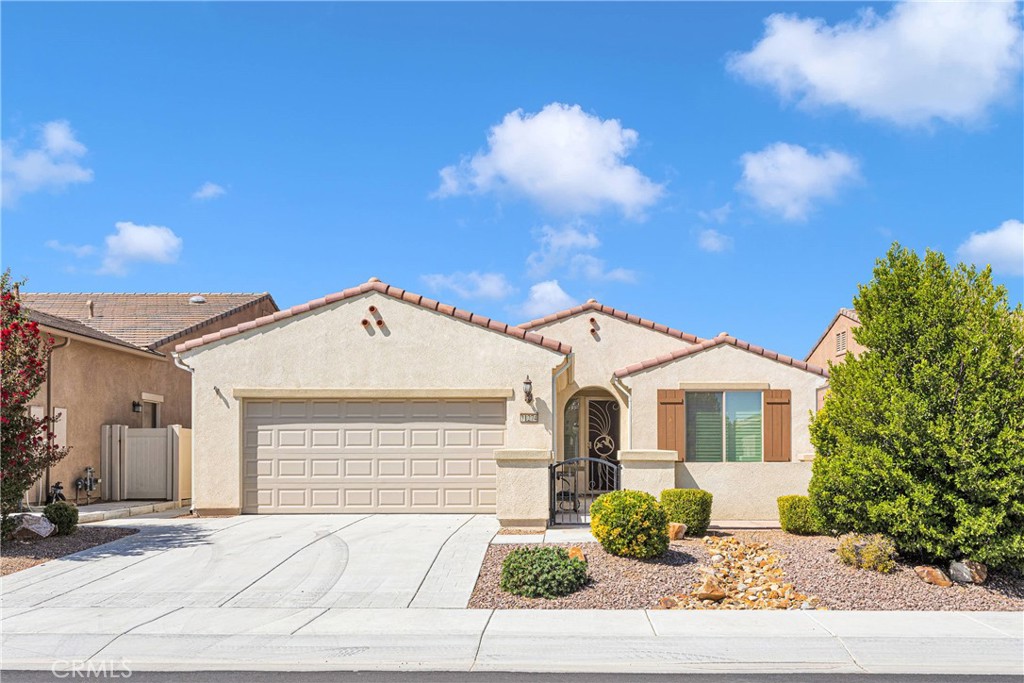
(576,483)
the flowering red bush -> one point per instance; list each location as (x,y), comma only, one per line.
(25,441)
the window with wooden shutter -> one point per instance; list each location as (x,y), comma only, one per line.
(777,425)
(672,421)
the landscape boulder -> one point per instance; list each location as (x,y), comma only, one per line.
(968,571)
(576,553)
(933,575)
(676,531)
(33,528)
(710,590)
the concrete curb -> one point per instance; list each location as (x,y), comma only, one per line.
(87,516)
(637,641)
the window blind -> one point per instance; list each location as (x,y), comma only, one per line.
(704,426)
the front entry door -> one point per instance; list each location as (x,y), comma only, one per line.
(602,441)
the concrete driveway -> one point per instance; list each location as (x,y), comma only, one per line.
(296,561)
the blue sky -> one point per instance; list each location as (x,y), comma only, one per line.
(687,162)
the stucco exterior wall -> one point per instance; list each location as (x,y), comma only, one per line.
(97,385)
(328,348)
(825,352)
(723,365)
(595,357)
(745,490)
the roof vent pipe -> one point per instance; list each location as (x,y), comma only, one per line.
(197,299)
(92,310)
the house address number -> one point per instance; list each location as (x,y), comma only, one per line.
(528,417)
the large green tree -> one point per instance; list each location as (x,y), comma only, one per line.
(922,435)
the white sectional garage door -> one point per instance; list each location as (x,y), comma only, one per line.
(371,456)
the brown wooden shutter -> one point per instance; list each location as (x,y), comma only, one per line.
(777,425)
(672,421)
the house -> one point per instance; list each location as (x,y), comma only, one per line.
(834,344)
(111,364)
(375,399)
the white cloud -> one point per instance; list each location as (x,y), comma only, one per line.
(208,191)
(545,298)
(473,285)
(139,243)
(922,61)
(787,179)
(719,215)
(52,165)
(563,249)
(562,158)
(711,240)
(77,250)
(1002,247)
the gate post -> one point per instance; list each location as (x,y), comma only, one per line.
(648,470)
(522,488)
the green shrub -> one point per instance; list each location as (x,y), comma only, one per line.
(630,524)
(542,572)
(921,437)
(7,527)
(63,515)
(797,516)
(691,507)
(868,551)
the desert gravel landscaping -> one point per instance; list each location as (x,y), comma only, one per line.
(19,555)
(809,563)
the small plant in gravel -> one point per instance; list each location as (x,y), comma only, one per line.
(868,551)
(691,507)
(797,516)
(630,524)
(542,572)
(62,515)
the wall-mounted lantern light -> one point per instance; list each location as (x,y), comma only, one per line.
(136,407)
(528,389)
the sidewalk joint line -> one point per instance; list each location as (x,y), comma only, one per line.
(994,628)
(314,618)
(290,556)
(841,644)
(647,613)
(434,561)
(480,640)
(114,639)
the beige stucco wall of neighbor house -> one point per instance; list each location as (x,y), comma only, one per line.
(724,365)
(329,349)
(825,351)
(97,384)
(595,357)
(745,490)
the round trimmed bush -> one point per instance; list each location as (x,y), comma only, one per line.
(868,551)
(542,572)
(797,516)
(691,507)
(630,524)
(62,515)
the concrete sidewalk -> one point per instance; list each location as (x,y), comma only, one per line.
(635,641)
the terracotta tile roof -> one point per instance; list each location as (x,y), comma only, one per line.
(143,320)
(848,312)
(375,285)
(614,312)
(72,327)
(718,341)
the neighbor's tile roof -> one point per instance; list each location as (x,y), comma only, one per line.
(375,285)
(614,312)
(76,328)
(718,341)
(143,320)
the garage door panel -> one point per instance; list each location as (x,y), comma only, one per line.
(366,456)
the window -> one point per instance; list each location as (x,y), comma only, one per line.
(841,342)
(724,426)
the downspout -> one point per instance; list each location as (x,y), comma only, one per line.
(178,362)
(554,403)
(628,394)
(49,405)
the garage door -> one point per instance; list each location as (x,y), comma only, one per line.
(371,456)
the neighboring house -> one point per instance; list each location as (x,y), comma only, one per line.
(111,364)
(835,343)
(375,399)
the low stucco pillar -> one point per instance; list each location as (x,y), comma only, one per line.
(522,488)
(648,471)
